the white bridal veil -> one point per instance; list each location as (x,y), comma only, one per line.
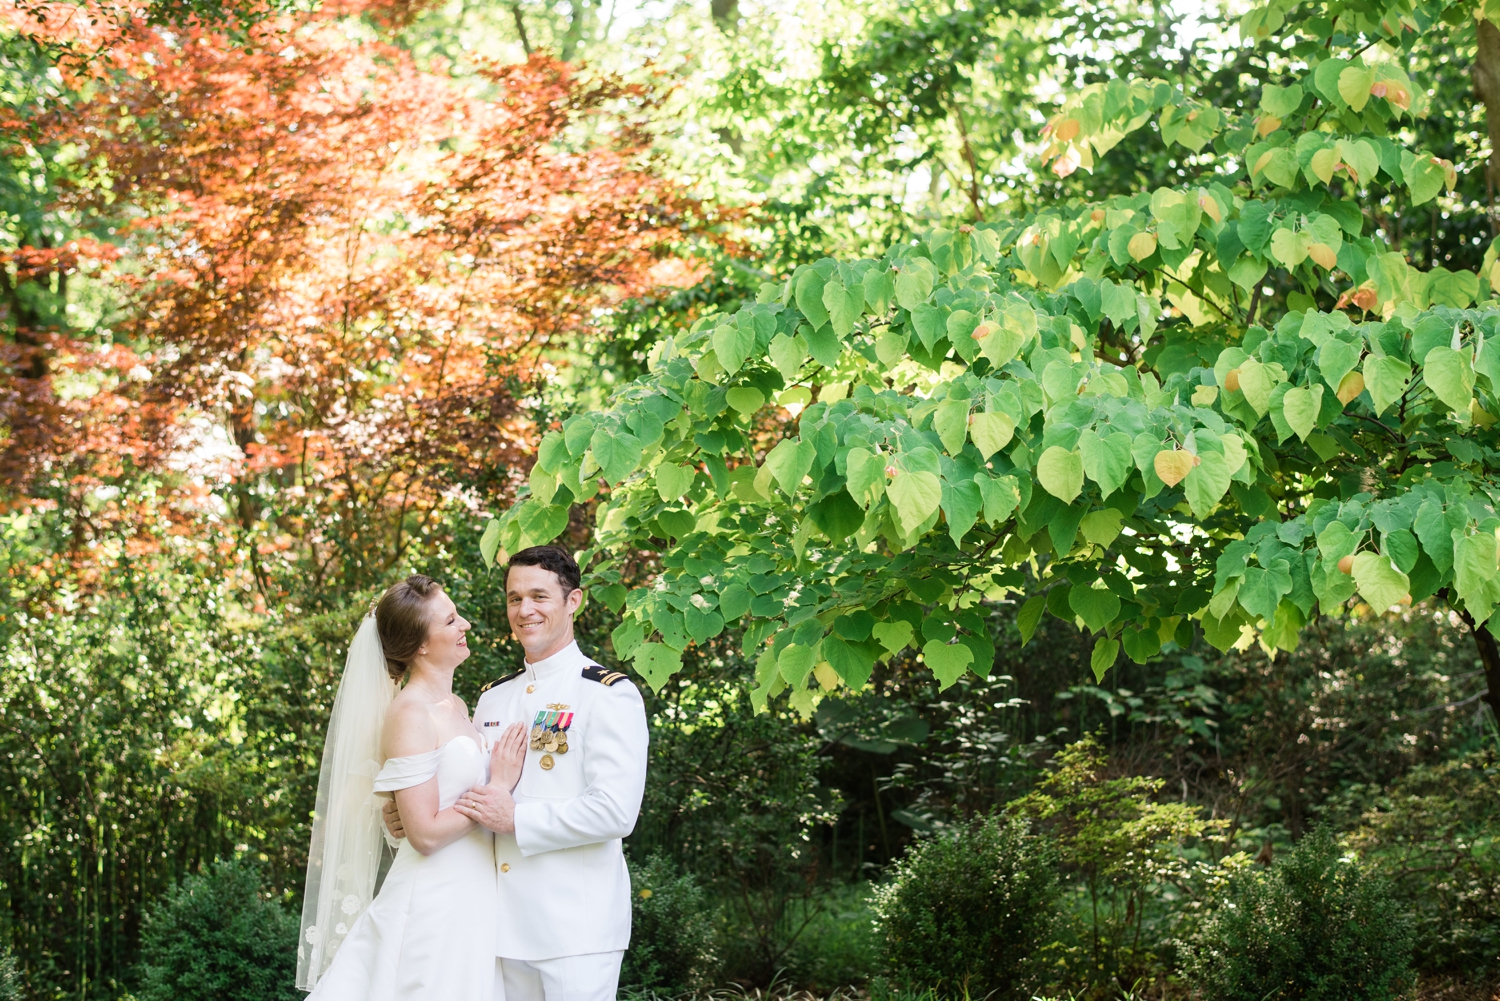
(347,837)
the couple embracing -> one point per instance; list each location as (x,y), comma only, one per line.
(509,882)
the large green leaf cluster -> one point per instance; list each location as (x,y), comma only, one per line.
(1077,406)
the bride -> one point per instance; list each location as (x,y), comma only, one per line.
(430,933)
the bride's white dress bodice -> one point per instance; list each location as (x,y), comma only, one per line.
(459,765)
(429,935)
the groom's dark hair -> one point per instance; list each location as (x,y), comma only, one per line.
(554,558)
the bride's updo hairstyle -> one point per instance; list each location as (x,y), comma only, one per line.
(401,620)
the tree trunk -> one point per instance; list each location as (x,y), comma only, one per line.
(515,10)
(1486,75)
(1489,657)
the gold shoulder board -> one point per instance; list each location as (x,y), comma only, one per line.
(602,675)
(501,681)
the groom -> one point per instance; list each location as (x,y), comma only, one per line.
(564,889)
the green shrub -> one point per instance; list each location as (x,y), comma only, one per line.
(964,912)
(1122,851)
(1436,836)
(215,938)
(735,798)
(672,931)
(1316,926)
(10,978)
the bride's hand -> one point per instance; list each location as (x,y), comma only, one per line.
(507,756)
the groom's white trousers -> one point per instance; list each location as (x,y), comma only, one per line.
(591,977)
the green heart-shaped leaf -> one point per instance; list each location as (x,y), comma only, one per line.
(677,524)
(1106,459)
(852,662)
(789,462)
(913,286)
(1096,606)
(809,292)
(745,399)
(951,422)
(1386,380)
(948,662)
(489,542)
(788,354)
(1450,374)
(541,523)
(1379,582)
(894,636)
(991,432)
(626,637)
(1029,616)
(1354,86)
(845,306)
(916,496)
(1101,527)
(672,481)
(1300,407)
(656,663)
(733,344)
(865,478)
(734,601)
(795,663)
(1256,383)
(1060,473)
(1103,657)
(703,624)
(618,452)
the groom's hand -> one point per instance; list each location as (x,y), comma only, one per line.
(392,818)
(489,806)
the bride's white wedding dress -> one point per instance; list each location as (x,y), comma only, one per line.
(429,935)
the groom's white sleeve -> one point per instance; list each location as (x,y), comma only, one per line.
(615,772)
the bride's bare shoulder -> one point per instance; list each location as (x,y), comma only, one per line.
(409,727)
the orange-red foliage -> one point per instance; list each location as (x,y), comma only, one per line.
(349,264)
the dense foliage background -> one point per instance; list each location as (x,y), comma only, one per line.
(291,294)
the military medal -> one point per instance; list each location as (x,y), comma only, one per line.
(549,733)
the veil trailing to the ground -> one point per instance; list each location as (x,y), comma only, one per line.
(347,837)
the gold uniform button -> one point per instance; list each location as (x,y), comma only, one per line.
(547,762)
(530,689)
(505,867)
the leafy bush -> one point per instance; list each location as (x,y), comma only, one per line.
(215,938)
(964,912)
(1316,926)
(1125,848)
(10,978)
(672,932)
(1436,836)
(735,798)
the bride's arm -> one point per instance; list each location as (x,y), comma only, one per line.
(409,730)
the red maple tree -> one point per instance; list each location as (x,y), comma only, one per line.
(338,273)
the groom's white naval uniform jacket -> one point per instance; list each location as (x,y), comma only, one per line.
(564,888)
